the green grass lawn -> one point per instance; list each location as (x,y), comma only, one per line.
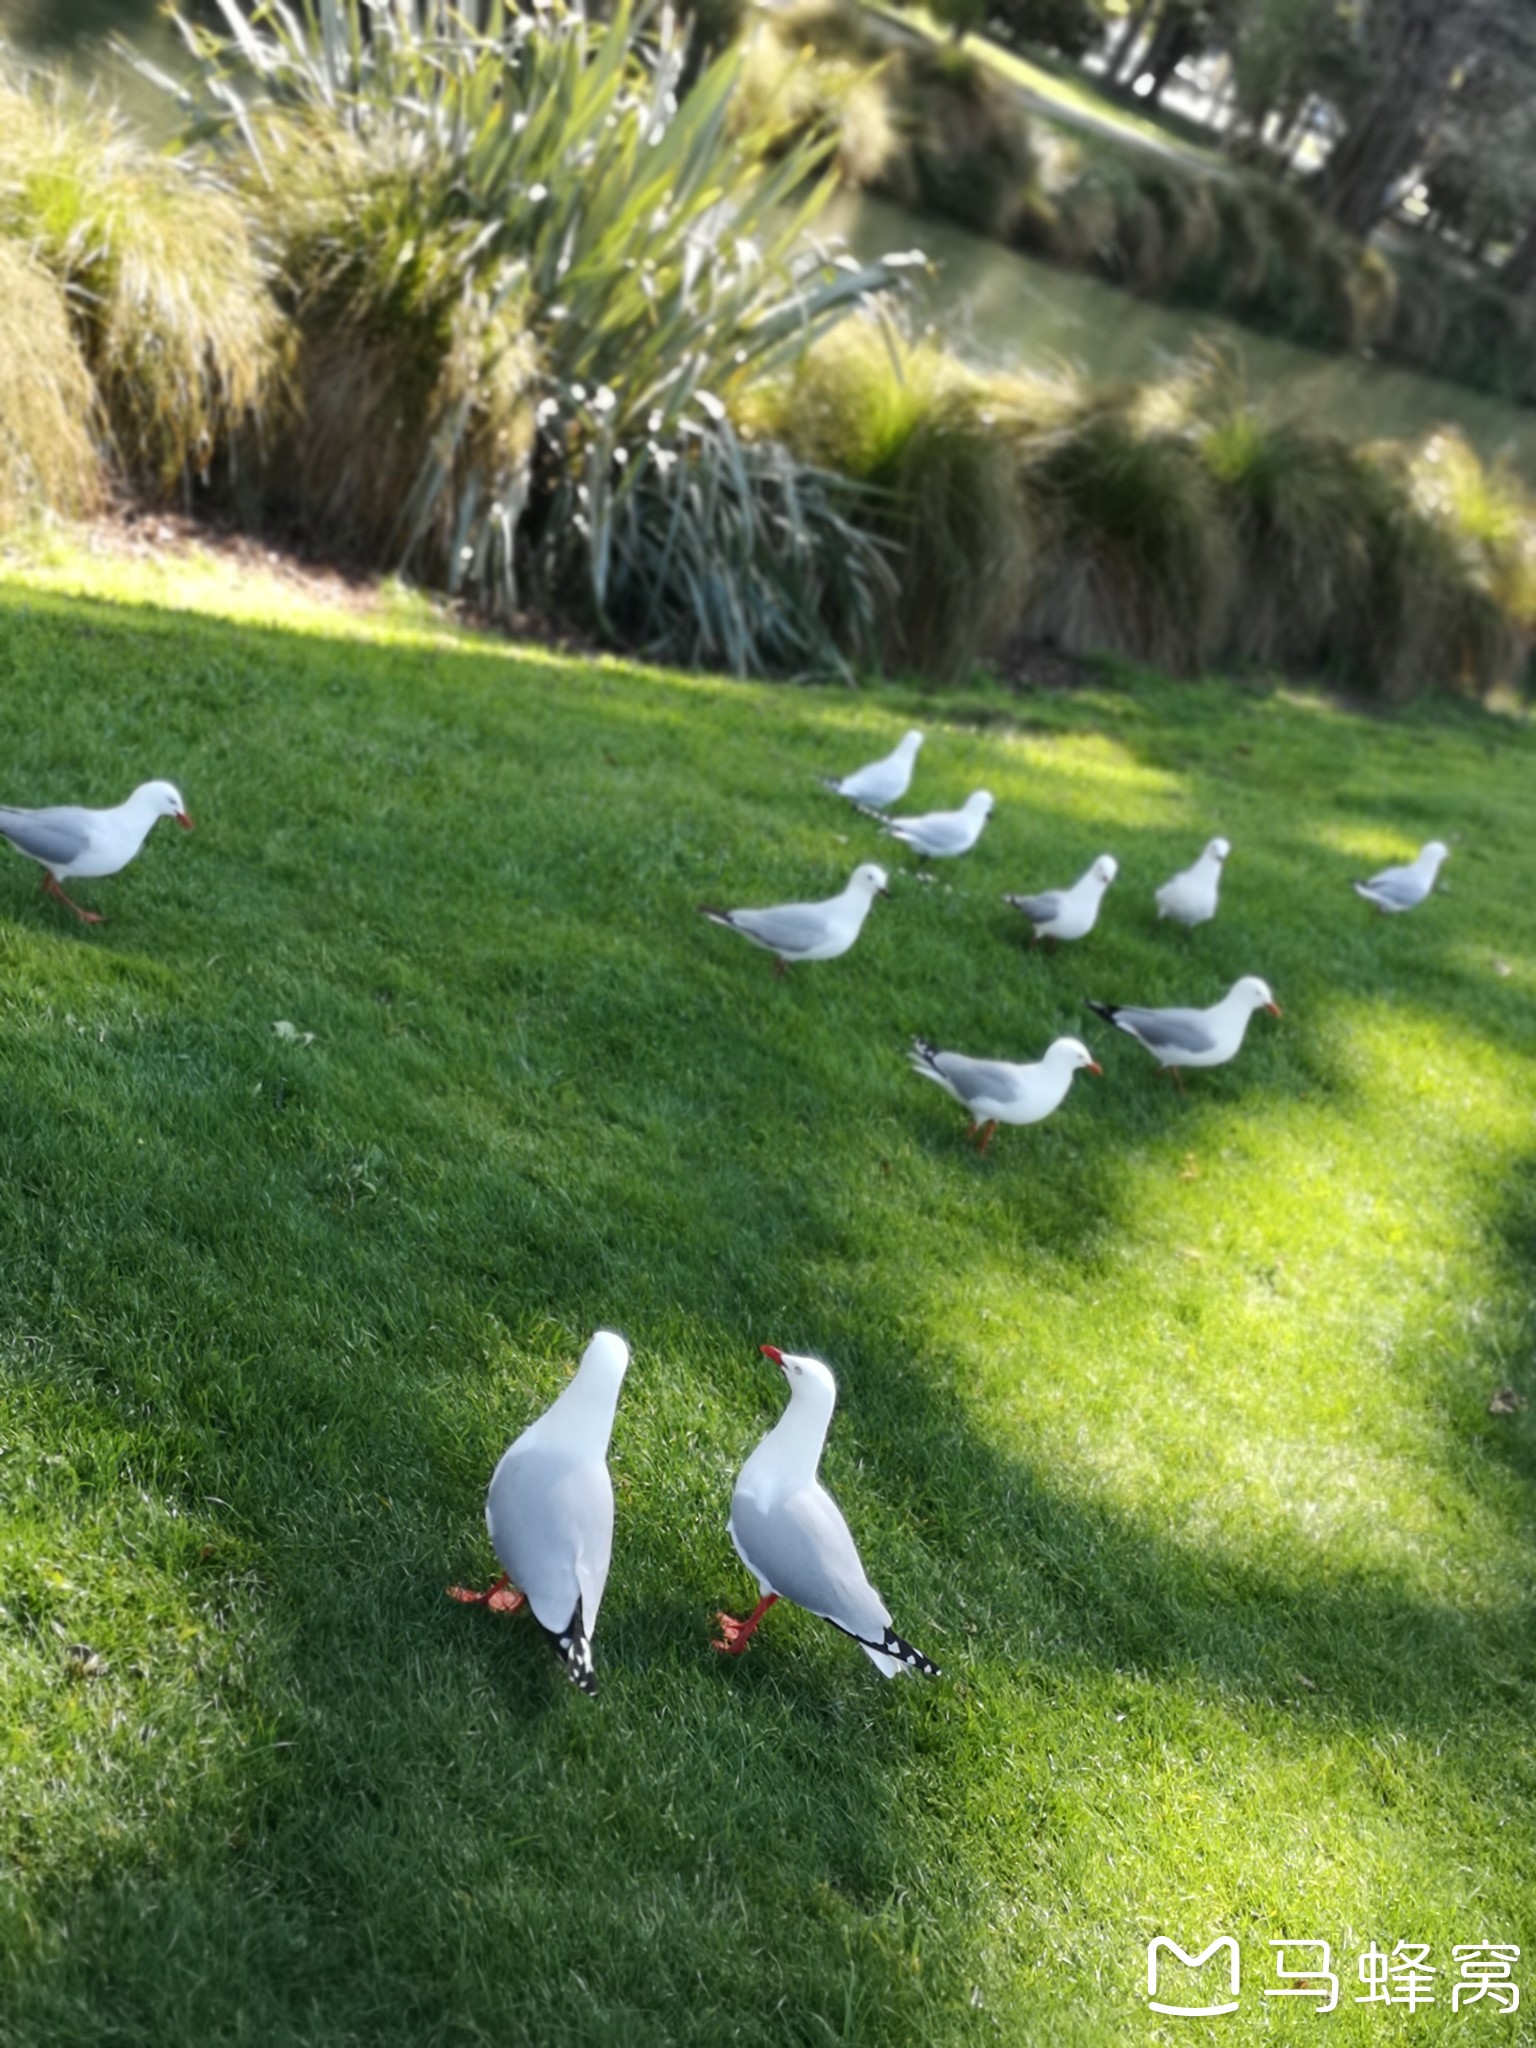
(1164,1428)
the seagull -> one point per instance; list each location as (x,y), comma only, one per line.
(1069,913)
(995,1093)
(1194,1038)
(549,1510)
(809,931)
(791,1536)
(880,782)
(1403,888)
(938,835)
(67,839)
(1190,898)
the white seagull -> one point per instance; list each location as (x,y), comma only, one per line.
(1403,888)
(939,835)
(808,931)
(1190,898)
(549,1510)
(1194,1038)
(993,1092)
(790,1534)
(880,782)
(1069,913)
(67,839)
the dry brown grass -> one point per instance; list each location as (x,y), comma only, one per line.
(48,459)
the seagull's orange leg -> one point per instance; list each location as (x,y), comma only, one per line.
(502,1598)
(735,1635)
(52,887)
(780,969)
(986,1138)
(1178,1082)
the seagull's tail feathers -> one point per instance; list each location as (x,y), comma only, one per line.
(893,1656)
(882,818)
(1360,888)
(573,1647)
(832,782)
(716,916)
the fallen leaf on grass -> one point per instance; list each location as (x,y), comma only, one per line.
(290,1033)
(1506,1401)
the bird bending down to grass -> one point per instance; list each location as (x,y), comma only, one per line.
(1190,897)
(1396,889)
(880,782)
(67,839)
(808,931)
(941,835)
(993,1092)
(1068,913)
(791,1536)
(549,1510)
(1194,1038)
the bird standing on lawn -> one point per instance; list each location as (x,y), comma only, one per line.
(941,835)
(67,839)
(808,931)
(1190,898)
(1396,889)
(880,782)
(994,1092)
(791,1536)
(549,1511)
(1069,913)
(1194,1038)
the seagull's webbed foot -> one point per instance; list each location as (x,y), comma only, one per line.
(502,1598)
(735,1635)
(53,887)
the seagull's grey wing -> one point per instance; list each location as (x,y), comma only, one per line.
(551,1524)
(1401,887)
(792,928)
(59,835)
(1039,909)
(974,1079)
(1168,1031)
(804,1549)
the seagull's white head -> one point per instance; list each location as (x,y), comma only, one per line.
(1105,869)
(1256,993)
(166,801)
(909,742)
(1072,1052)
(1217,850)
(981,800)
(604,1362)
(806,1378)
(1432,854)
(870,880)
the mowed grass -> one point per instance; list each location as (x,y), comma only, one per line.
(1164,1428)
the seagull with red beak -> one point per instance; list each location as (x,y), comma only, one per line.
(1194,1038)
(791,1536)
(69,840)
(808,931)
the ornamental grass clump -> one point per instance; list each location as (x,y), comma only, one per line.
(595,272)
(48,458)
(168,299)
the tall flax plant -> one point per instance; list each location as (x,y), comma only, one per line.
(650,271)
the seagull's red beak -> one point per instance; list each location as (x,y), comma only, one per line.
(184,821)
(1095,1068)
(882,892)
(772,1351)
(1274,1009)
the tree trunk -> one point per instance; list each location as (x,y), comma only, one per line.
(1125,43)
(1388,132)
(1518,270)
(1174,40)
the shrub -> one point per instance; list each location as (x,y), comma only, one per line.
(533,191)
(167,297)
(47,401)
